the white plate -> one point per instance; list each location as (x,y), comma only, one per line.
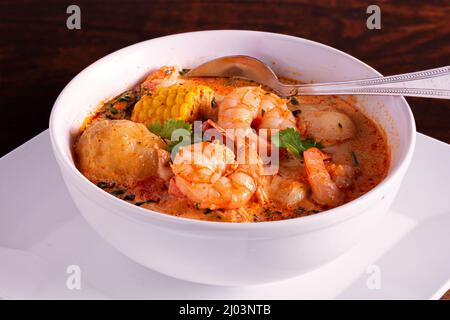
(41,234)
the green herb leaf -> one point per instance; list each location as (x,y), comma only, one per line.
(182,72)
(129,197)
(140,203)
(166,129)
(174,146)
(119,192)
(310,143)
(125,98)
(355,159)
(294,101)
(291,140)
(156,128)
(104,185)
(300,210)
(213,102)
(296,113)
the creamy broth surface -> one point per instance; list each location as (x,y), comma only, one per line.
(355,153)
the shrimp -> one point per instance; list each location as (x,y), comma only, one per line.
(342,174)
(324,189)
(246,105)
(164,76)
(209,174)
(285,191)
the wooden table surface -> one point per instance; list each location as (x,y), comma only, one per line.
(39,55)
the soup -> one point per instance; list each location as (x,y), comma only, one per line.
(225,149)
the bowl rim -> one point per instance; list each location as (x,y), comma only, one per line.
(134,212)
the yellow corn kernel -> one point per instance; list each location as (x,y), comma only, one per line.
(182,102)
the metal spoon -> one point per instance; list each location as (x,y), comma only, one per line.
(432,83)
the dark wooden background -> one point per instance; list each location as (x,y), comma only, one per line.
(39,55)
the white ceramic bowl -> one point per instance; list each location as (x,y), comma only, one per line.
(216,252)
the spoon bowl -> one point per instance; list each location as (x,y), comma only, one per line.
(243,67)
(432,83)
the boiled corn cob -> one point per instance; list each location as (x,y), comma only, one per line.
(181,102)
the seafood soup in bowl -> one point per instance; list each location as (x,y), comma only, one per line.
(152,158)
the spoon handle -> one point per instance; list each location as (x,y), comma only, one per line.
(432,83)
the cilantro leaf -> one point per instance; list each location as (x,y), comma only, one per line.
(178,133)
(155,128)
(291,140)
(294,101)
(175,145)
(310,143)
(166,129)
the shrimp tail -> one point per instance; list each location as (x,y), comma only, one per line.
(261,195)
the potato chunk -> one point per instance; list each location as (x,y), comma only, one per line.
(121,151)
